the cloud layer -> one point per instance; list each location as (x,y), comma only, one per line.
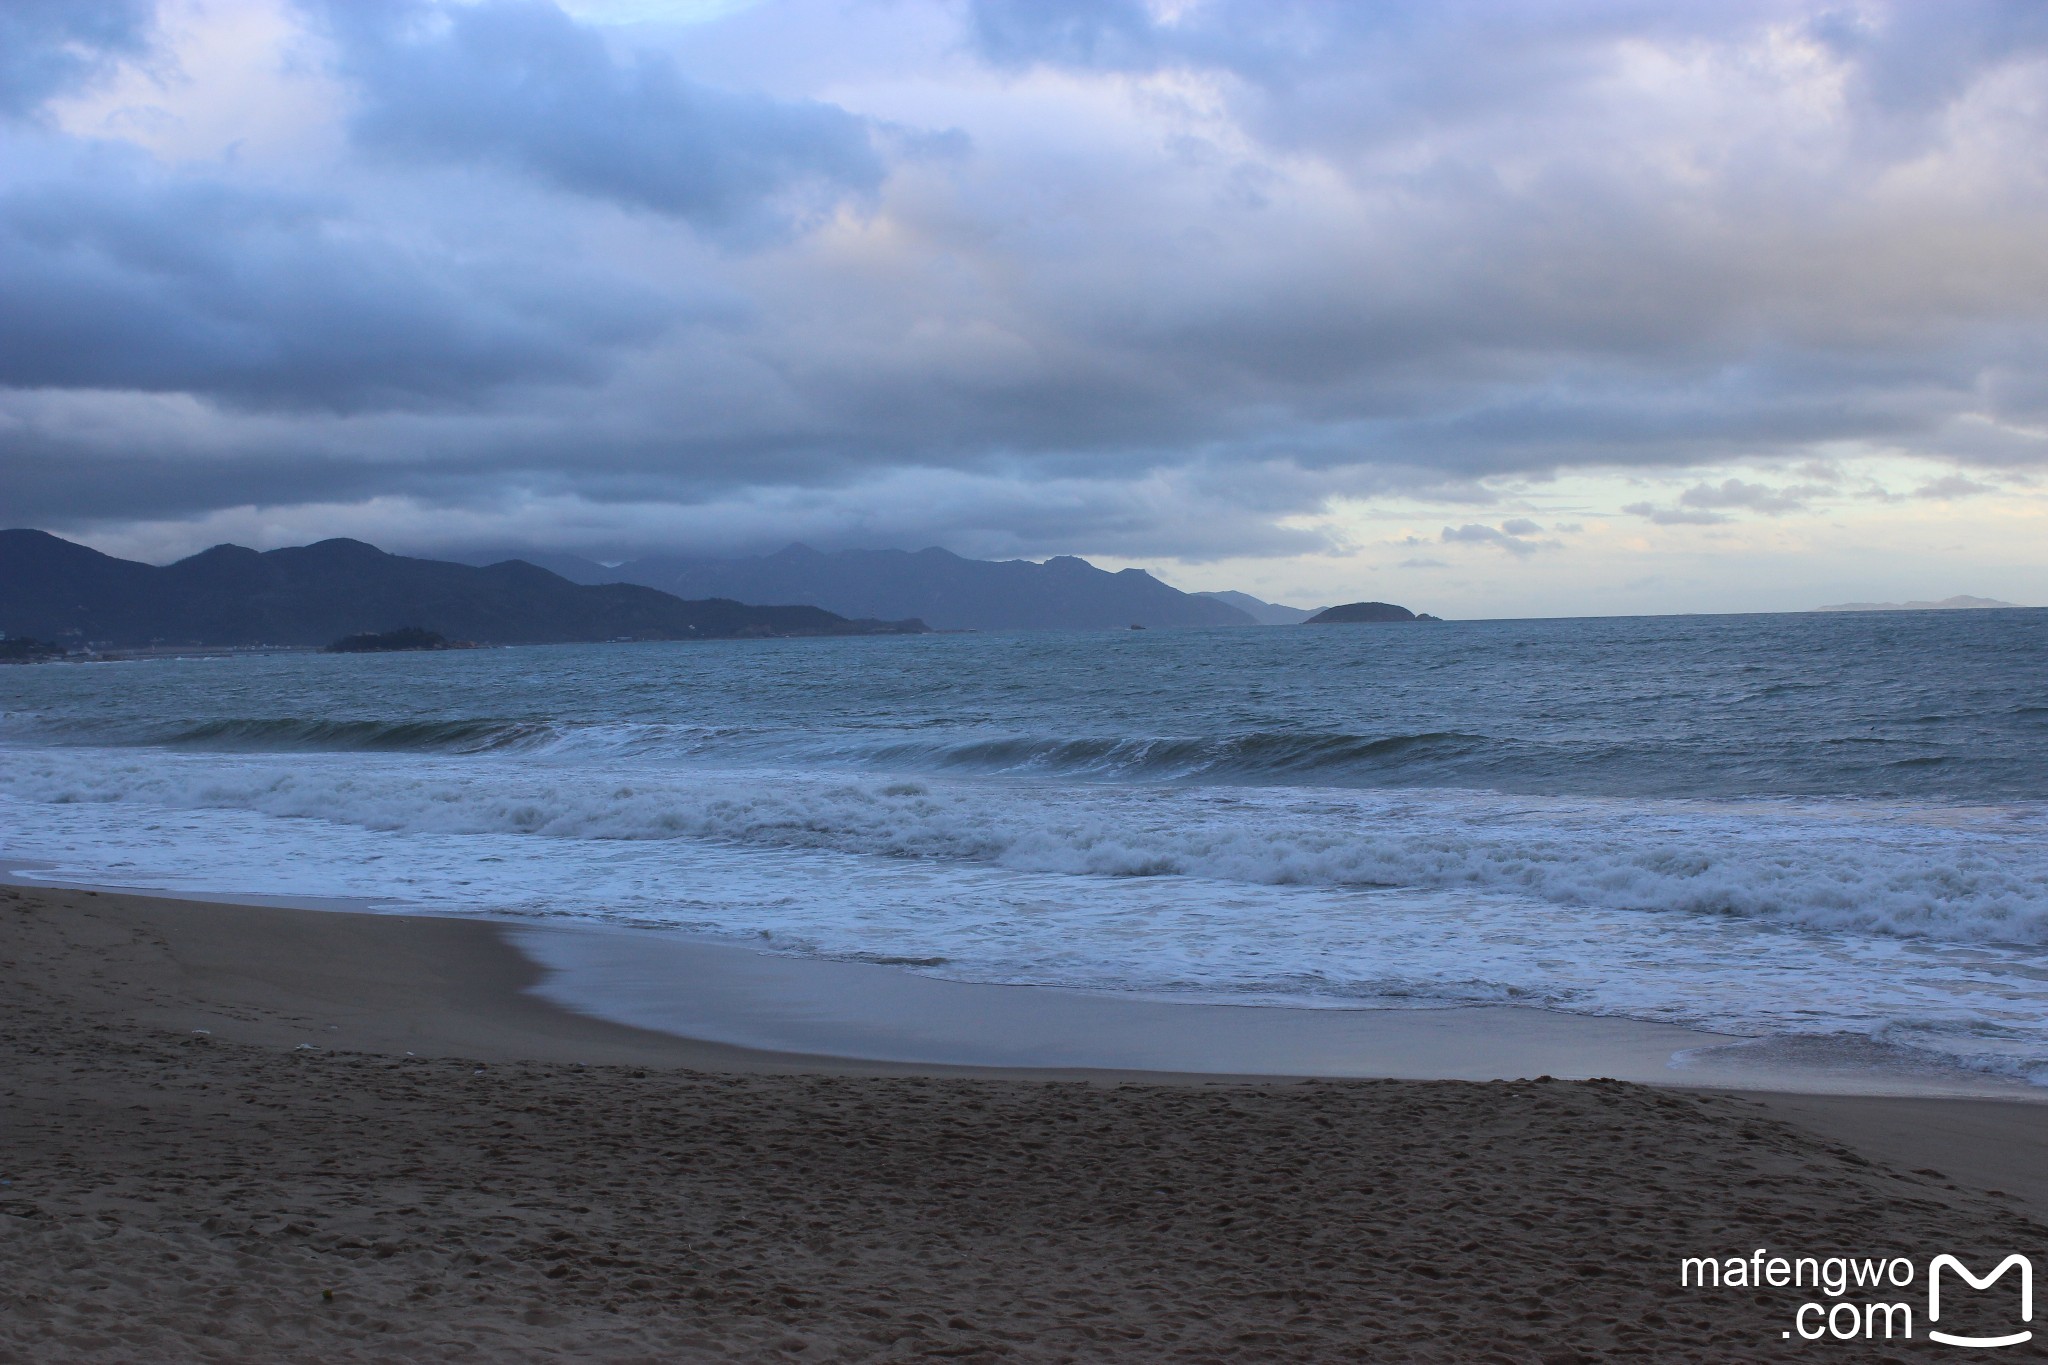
(50,46)
(519,84)
(1124,279)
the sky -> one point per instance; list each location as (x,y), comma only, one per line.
(1490,309)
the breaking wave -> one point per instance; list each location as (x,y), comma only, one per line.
(424,736)
(1959,874)
(1252,756)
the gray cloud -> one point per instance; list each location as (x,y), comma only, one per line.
(519,83)
(1112,34)
(1439,62)
(50,46)
(1916,58)
(1317,74)
(1954,486)
(69,482)
(1344,252)
(1753,497)
(1675,516)
(1509,536)
(131,281)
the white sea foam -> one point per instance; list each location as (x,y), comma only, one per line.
(1974,875)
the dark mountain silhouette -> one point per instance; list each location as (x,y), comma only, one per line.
(1355,613)
(315,594)
(575,568)
(937,586)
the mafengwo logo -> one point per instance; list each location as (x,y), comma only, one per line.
(2012,1262)
(1873,1298)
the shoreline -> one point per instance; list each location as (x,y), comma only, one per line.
(385,1145)
(706,1001)
(733,993)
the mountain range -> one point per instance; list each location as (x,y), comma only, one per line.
(1945,604)
(943,589)
(53,589)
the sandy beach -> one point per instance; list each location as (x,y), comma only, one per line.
(254,1133)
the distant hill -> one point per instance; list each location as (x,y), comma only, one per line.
(1946,604)
(315,594)
(1364,613)
(1265,613)
(945,590)
(575,568)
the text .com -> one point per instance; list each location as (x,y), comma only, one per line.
(1885,1298)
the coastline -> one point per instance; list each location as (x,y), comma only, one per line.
(736,994)
(514,1112)
(551,990)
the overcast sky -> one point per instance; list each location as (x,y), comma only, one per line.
(1491,309)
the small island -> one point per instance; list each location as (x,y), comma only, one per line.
(1365,613)
(391,641)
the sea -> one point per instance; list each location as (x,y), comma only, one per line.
(1827,829)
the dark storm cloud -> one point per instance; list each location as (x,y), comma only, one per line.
(56,481)
(519,83)
(50,46)
(128,281)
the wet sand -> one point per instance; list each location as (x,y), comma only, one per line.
(537,1184)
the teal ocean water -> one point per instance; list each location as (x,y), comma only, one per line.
(1827,828)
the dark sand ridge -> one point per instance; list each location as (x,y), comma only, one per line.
(183,1196)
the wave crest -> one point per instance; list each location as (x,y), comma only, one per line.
(1250,756)
(286,734)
